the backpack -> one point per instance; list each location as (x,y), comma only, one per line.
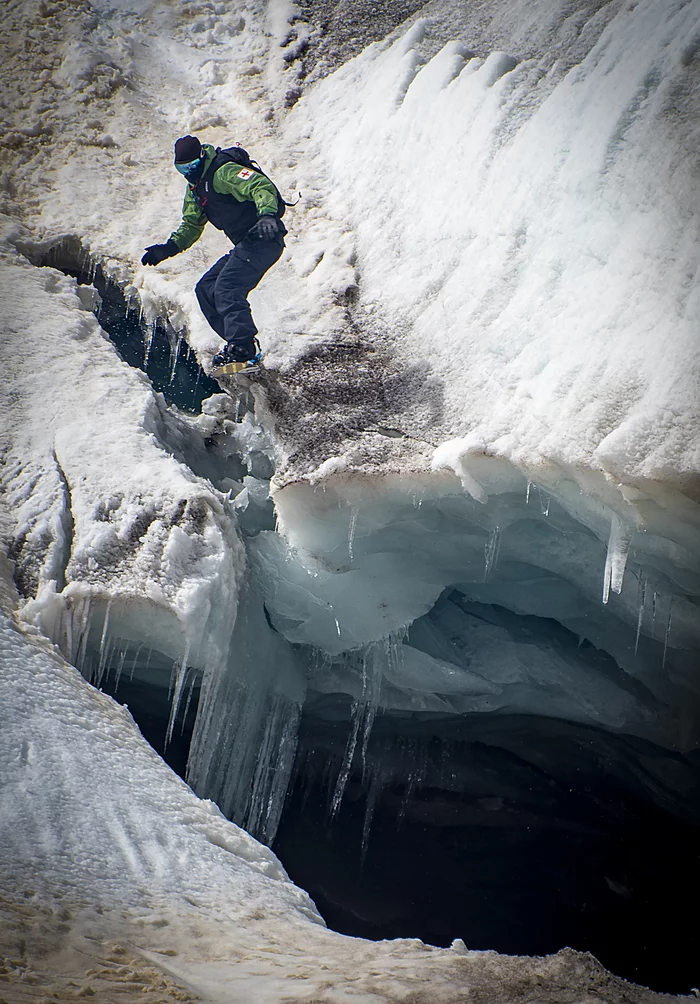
(237,155)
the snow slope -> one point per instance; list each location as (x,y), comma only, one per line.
(532,243)
(534,238)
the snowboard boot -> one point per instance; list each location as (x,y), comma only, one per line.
(236,358)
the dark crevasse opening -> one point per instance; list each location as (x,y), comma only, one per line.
(161,353)
(150,707)
(145,681)
(514,833)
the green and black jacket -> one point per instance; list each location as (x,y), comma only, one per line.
(229,196)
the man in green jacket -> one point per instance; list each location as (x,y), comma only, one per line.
(244,203)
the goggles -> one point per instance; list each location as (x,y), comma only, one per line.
(187,168)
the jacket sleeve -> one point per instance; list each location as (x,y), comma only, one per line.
(193,223)
(247,186)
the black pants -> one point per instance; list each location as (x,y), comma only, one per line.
(223,290)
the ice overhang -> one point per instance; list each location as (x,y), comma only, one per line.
(381,561)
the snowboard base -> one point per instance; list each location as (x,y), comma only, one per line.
(236,369)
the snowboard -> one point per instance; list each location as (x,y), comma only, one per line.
(237,369)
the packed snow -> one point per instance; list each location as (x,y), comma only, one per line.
(482,405)
(534,239)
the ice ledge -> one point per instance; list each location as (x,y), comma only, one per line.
(606,501)
(614,564)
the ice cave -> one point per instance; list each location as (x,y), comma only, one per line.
(376,673)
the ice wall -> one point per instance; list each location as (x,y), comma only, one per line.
(458,606)
(246,736)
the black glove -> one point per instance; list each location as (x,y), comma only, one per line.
(267,228)
(157,253)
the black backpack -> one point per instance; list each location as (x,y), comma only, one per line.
(237,155)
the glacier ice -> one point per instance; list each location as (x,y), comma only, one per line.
(454,553)
(245,736)
(451,608)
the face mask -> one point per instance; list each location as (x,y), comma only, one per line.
(189,168)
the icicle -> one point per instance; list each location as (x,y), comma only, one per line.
(174,356)
(364,711)
(545,501)
(190,691)
(653,612)
(274,762)
(640,617)
(84,611)
(67,625)
(372,686)
(527,493)
(180,677)
(373,794)
(120,666)
(351,529)
(616,558)
(104,669)
(337,626)
(356,715)
(491,551)
(172,681)
(103,645)
(245,736)
(668,633)
(149,332)
(133,662)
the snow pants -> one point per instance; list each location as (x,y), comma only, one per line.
(223,290)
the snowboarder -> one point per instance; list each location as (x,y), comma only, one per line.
(244,203)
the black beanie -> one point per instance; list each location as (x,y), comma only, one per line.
(187,149)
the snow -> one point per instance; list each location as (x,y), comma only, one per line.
(134,541)
(154,830)
(534,239)
(542,293)
(515,422)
